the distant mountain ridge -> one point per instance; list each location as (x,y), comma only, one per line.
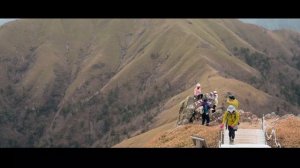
(3,21)
(276,24)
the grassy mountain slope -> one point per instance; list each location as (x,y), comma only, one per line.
(167,119)
(94,82)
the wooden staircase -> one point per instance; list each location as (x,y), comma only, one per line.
(246,138)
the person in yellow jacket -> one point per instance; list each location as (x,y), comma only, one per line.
(231,117)
(232,101)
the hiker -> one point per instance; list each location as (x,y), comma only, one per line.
(205,112)
(215,101)
(209,97)
(206,96)
(216,96)
(231,118)
(197,92)
(232,101)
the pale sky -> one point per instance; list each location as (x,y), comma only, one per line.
(2,21)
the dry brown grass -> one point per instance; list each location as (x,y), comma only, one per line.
(141,140)
(288,132)
(180,137)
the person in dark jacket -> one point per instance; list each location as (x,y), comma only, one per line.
(205,114)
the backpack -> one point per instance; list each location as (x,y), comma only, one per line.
(205,108)
(235,115)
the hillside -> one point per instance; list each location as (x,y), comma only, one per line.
(96,82)
(287,131)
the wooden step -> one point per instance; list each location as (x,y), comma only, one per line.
(245,146)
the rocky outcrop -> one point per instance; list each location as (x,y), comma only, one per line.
(190,112)
(186,111)
(271,115)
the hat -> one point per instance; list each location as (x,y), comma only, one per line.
(198,85)
(215,92)
(231,97)
(230,108)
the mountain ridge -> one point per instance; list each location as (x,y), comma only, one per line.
(93,82)
(275,24)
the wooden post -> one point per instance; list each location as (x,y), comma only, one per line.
(199,142)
